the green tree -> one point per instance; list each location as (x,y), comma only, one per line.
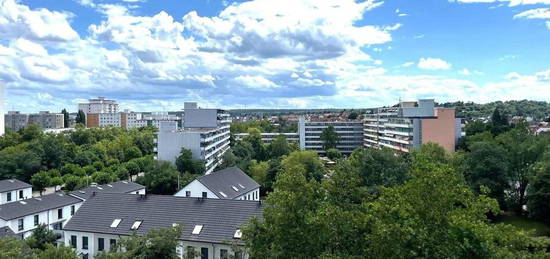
(160,178)
(304,162)
(379,167)
(353,115)
(72,183)
(133,167)
(186,163)
(334,153)
(40,181)
(279,147)
(65,118)
(102,177)
(258,172)
(59,252)
(228,160)
(499,122)
(41,237)
(80,117)
(11,248)
(538,198)
(30,132)
(329,137)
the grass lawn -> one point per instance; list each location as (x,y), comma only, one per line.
(527,224)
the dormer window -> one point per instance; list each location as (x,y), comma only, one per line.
(115,223)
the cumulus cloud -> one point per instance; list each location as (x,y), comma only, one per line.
(18,21)
(433,64)
(511,2)
(539,13)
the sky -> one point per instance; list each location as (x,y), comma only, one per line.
(153,55)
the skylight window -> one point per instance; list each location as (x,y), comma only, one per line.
(136,225)
(241,186)
(110,185)
(223,194)
(100,188)
(197,229)
(115,223)
(234,188)
(23,202)
(238,234)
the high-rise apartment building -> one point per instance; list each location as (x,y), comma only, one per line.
(205,132)
(411,124)
(350,135)
(47,120)
(15,120)
(2,127)
(99,105)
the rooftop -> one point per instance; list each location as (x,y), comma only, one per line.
(13,184)
(6,232)
(116,187)
(232,182)
(116,214)
(26,207)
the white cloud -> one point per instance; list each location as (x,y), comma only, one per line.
(539,13)
(511,2)
(433,64)
(18,21)
(467,72)
(407,64)
(548,24)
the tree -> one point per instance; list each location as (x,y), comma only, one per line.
(72,183)
(80,117)
(329,137)
(334,153)
(379,167)
(228,160)
(133,167)
(304,162)
(499,122)
(258,172)
(14,248)
(41,237)
(40,181)
(538,198)
(30,132)
(186,163)
(160,178)
(59,252)
(279,147)
(157,243)
(65,118)
(353,115)
(102,177)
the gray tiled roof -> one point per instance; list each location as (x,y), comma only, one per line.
(13,184)
(30,206)
(220,218)
(6,232)
(116,187)
(224,181)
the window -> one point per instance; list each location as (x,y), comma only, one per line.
(136,225)
(73,242)
(224,254)
(20,224)
(115,223)
(84,242)
(197,229)
(204,195)
(112,243)
(238,255)
(21,194)
(234,188)
(36,220)
(238,234)
(223,194)
(204,252)
(58,226)
(187,193)
(9,196)
(59,213)
(100,244)
(72,210)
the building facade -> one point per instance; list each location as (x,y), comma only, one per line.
(411,124)
(2,104)
(15,120)
(205,132)
(99,105)
(47,120)
(267,138)
(230,183)
(13,190)
(350,135)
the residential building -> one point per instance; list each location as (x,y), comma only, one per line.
(99,105)
(94,120)
(23,216)
(350,134)
(211,226)
(205,132)
(13,190)
(410,124)
(47,120)
(137,120)
(15,120)
(2,126)
(230,183)
(267,138)
(55,209)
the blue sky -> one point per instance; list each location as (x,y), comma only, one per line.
(154,55)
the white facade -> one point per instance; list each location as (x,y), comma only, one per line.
(198,190)
(350,135)
(2,100)
(47,120)
(110,119)
(267,138)
(15,195)
(93,246)
(99,105)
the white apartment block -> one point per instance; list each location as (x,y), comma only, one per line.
(205,132)
(230,183)
(47,120)
(99,105)
(267,138)
(13,190)
(350,135)
(411,124)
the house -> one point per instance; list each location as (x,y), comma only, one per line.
(55,209)
(23,216)
(230,183)
(14,190)
(211,226)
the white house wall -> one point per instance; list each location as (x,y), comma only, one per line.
(27,194)
(196,188)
